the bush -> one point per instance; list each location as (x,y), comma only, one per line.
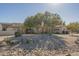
(50,33)
(17,34)
(29,41)
(11,42)
(8,41)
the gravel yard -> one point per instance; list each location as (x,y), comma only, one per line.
(41,45)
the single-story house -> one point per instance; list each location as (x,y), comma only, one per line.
(0,27)
(8,28)
(60,29)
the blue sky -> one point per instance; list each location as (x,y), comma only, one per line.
(18,12)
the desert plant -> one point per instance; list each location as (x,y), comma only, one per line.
(11,42)
(29,41)
(8,41)
(50,33)
(17,34)
(43,21)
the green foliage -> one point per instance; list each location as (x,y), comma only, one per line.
(74,27)
(29,41)
(17,34)
(50,33)
(49,20)
(8,42)
(11,41)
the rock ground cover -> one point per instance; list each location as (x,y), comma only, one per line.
(41,45)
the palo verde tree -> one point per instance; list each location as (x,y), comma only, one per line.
(49,20)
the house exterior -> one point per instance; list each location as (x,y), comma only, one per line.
(60,29)
(0,27)
(12,27)
(8,28)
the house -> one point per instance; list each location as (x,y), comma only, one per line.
(60,29)
(12,27)
(0,27)
(9,28)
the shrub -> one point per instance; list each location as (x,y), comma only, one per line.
(50,33)
(17,34)
(29,41)
(8,41)
(11,42)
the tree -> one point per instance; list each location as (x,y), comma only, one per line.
(50,20)
(74,27)
(4,27)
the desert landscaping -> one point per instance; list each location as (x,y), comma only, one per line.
(39,30)
(45,35)
(40,45)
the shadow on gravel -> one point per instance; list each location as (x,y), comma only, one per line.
(35,41)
